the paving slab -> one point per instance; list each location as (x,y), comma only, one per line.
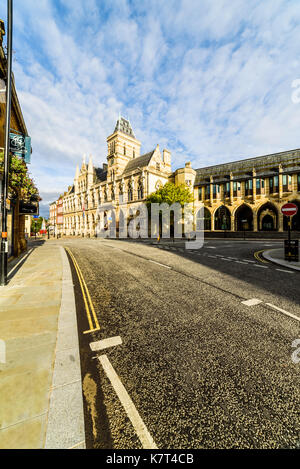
(38,328)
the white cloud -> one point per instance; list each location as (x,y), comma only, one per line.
(209,80)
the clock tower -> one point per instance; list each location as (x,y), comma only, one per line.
(122,147)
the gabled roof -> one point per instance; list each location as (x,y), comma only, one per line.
(139,162)
(123,125)
(101,174)
(259,163)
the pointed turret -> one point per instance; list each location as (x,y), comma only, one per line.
(83,166)
(90,172)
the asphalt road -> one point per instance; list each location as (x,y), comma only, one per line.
(203,369)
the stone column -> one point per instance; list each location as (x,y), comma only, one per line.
(212,221)
(255,221)
(280,221)
(254,188)
(231,188)
(232,227)
(267,187)
(211,194)
(280,186)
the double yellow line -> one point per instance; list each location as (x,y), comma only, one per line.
(89,307)
(259,258)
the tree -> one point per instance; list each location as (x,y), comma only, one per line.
(36,224)
(19,181)
(169,193)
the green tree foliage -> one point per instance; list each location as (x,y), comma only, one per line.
(170,193)
(36,224)
(19,180)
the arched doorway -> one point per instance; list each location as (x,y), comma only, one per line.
(267,217)
(203,220)
(244,218)
(295,218)
(267,223)
(222,218)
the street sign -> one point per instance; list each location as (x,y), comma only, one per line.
(289,209)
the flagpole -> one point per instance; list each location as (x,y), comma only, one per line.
(4,241)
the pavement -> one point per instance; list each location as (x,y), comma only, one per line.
(193,349)
(171,348)
(40,378)
(277,256)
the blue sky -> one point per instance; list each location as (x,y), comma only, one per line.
(211,80)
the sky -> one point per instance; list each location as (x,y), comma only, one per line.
(211,80)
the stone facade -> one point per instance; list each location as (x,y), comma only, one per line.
(244,195)
(127,177)
(248,194)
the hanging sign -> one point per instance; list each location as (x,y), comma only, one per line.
(20,145)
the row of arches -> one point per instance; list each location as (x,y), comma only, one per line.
(266,218)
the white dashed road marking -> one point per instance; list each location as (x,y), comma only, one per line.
(252,302)
(260,266)
(106,343)
(130,409)
(287,271)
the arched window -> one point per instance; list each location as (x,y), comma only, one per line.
(130,194)
(140,191)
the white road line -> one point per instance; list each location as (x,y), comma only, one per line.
(210,247)
(252,302)
(284,312)
(225,259)
(260,266)
(21,260)
(287,271)
(214,257)
(106,343)
(252,262)
(162,265)
(233,258)
(130,409)
(240,262)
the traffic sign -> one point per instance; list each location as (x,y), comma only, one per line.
(289,209)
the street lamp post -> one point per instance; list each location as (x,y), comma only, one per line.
(4,241)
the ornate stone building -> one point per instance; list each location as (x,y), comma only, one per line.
(244,195)
(127,177)
(248,194)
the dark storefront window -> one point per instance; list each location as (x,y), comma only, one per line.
(287,182)
(249,187)
(227,189)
